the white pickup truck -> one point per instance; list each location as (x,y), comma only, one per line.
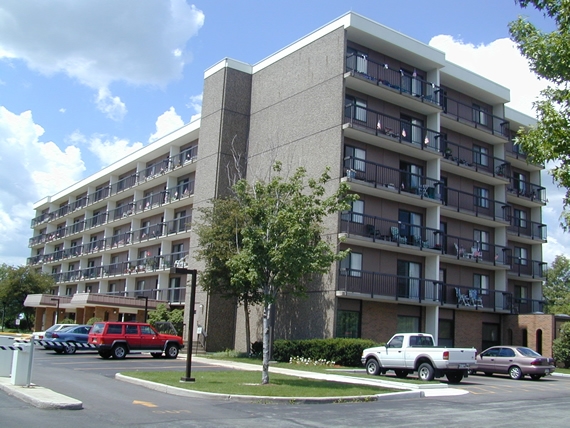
(406,353)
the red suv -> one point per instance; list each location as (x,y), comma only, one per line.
(117,339)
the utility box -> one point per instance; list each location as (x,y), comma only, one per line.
(21,364)
(6,356)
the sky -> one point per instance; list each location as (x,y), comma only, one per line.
(84,83)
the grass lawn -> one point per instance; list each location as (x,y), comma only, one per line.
(564,371)
(237,382)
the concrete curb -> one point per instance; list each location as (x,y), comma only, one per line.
(40,397)
(262,399)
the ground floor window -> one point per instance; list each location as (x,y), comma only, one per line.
(445,333)
(407,324)
(491,336)
(348,324)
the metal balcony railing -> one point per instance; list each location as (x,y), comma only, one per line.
(479,206)
(476,117)
(528,229)
(527,267)
(398,80)
(124,183)
(528,190)
(475,159)
(396,129)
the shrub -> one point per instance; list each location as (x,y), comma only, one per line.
(345,352)
(561,347)
(67,321)
(93,320)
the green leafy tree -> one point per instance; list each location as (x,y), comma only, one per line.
(15,284)
(163,314)
(220,240)
(549,57)
(281,248)
(556,288)
(561,346)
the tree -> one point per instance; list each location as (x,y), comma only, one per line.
(561,346)
(163,314)
(556,288)
(15,284)
(549,57)
(279,246)
(220,239)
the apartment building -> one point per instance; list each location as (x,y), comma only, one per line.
(446,236)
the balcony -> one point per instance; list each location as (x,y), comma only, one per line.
(387,131)
(523,268)
(526,193)
(395,86)
(470,120)
(527,231)
(474,164)
(464,206)
(389,288)
(391,182)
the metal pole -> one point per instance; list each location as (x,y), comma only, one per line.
(190,329)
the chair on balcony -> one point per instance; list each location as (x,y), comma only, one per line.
(418,242)
(395,234)
(462,299)
(474,298)
(372,232)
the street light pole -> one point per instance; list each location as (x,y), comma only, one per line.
(57,310)
(190,328)
(145,306)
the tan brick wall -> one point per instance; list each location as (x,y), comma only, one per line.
(468,329)
(532,323)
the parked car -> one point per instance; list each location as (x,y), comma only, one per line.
(516,361)
(117,339)
(46,335)
(63,341)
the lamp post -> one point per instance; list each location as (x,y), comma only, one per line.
(57,310)
(145,305)
(190,329)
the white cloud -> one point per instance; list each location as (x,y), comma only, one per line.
(31,169)
(111,106)
(195,103)
(100,42)
(110,150)
(166,123)
(501,62)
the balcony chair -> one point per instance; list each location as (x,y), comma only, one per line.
(418,242)
(475,298)
(372,232)
(395,234)
(462,299)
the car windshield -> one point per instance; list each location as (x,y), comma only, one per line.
(97,328)
(527,352)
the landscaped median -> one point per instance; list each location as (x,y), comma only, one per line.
(242,381)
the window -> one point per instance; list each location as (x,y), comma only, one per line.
(356,212)
(412,129)
(355,108)
(131,329)
(145,329)
(445,333)
(348,324)
(114,329)
(481,283)
(174,290)
(355,158)
(357,61)
(491,336)
(481,155)
(410,225)
(397,341)
(68,291)
(352,265)
(111,288)
(409,278)
(519,182)
(139,287)
(184,186)
(521,256)
(408,324)
(521,292)
(481,197)
(411,176)
(481,237)
(480,114)
(180,221)
(520,218)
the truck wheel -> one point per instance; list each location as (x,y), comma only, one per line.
(171,351)
(372,367)
(105,354)
(454,377)
(426,372)
(156,354)
(515,373)
(119,352)
(401,374)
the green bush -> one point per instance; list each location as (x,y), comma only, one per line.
(561,347)
(67,321)
(93,320)
(345,352)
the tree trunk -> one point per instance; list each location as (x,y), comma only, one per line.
(247,330)
(266,344)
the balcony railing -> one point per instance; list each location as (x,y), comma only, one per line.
(527,268)
(157,169)
(393,178)
(476,117)
(528,229)
(396,129)
(473,204)
(475,159)
(528,190)
(398,80)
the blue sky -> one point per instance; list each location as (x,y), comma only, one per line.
(83,83)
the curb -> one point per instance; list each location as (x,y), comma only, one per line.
(40,397)
(172,390)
